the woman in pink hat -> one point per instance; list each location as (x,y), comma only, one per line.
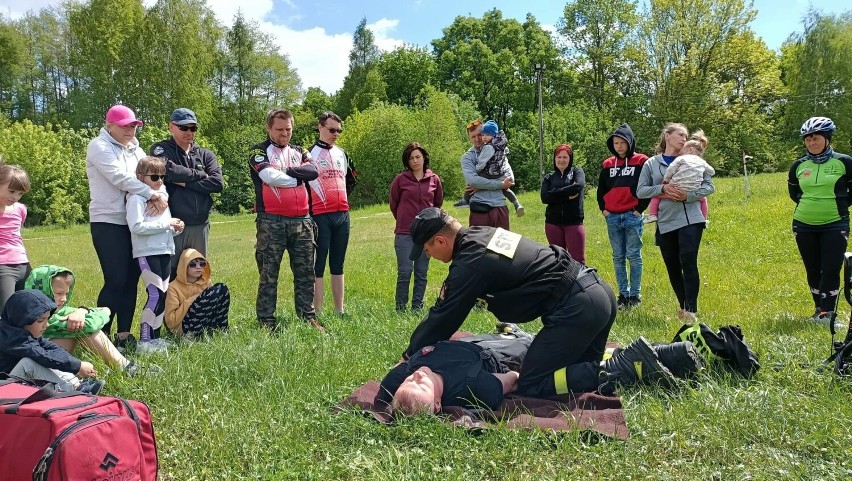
(111,160)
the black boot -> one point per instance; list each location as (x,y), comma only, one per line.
(681,358)
(637,363)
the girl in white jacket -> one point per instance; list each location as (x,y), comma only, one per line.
(153,247)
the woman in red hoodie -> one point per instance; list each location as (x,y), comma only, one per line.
(412,190)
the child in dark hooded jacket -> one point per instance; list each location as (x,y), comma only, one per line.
(69,326)
(26,354)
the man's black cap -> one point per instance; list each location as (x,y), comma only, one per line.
(426,224)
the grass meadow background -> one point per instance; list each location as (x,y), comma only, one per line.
(250,405)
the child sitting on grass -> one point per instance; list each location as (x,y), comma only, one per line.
(687,172)
(194,305)
(24,353)
(70,325)
(492,162)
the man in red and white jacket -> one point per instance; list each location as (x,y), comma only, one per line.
(623,212)
(279,171)
(330,207)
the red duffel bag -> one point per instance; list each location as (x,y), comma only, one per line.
(50,436)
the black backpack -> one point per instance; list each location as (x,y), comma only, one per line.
(726,345)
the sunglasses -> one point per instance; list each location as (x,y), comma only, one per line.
(184,128)
(334,131)
(193,264)
(472,124)
(155,177)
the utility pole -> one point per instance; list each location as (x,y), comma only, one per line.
(539,70)
(746,158)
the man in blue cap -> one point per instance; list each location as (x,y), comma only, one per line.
(192,175)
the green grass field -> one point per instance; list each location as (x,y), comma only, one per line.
(250,405)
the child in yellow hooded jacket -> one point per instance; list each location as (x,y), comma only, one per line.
(194,305)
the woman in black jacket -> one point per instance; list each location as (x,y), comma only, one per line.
(562,192)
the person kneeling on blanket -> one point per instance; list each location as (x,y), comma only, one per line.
(521,280)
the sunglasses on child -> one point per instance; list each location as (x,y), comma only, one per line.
(193,264)
(184,128)
(155,177)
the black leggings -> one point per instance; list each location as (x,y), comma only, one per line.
(120,271)
(822,254)
(679,249)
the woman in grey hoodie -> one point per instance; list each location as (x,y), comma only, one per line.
(680,222)
(111,160)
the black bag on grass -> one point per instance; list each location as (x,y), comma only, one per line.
(727,344)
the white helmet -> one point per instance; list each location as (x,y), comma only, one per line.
(818,124)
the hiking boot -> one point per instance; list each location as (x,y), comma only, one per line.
(91,386)
(681,358)
(126,345)
(316,325)
(622,302)
(519,210)
(462,204)
(634,301)
(637,363)
(828,318)
(512,329)
(133,369)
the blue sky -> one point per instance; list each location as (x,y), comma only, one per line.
(317,34)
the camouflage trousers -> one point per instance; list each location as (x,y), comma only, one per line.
(276,234)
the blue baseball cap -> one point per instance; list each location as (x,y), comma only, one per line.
(183,117)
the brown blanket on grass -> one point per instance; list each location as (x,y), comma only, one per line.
(566,412)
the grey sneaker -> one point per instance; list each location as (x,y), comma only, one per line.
(133,369)
(91,386)
(519,211)
(462,204)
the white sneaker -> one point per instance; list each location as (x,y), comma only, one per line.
(824,319)
(153,346)
(520,211)
(650,219)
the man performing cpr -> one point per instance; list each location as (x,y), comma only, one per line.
(521,280)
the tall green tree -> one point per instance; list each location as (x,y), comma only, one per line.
(100,32)
(596,34)
(817,70)
(490,60)
(362,60)
(406,71)
(11,64)
(174,65)
(253,76)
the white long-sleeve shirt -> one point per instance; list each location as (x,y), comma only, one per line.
(111,169)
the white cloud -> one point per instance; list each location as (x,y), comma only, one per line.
(381,34)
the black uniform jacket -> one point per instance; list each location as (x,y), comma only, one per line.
(468,375)
(201,173)
(518,278)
